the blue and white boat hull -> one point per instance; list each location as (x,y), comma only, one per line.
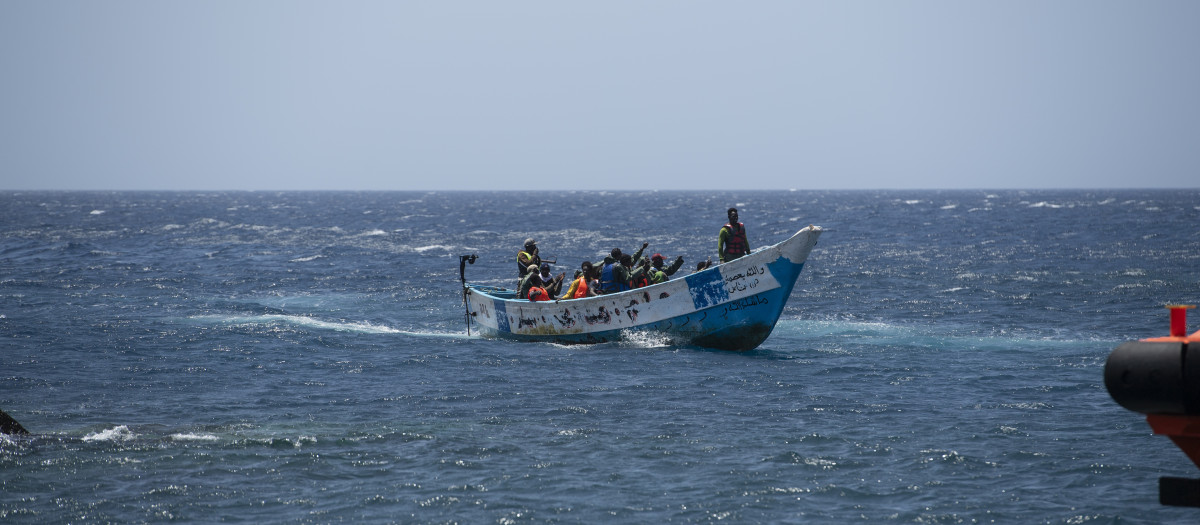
(732,306)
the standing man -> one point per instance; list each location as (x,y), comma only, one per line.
(528,256)
(731,242)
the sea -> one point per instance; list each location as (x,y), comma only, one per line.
(305,357)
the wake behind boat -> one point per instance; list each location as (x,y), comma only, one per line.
(730,306)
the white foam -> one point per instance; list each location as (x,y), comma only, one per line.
(194,437)
(644,339)
(310,322)
(299,320)
(118,433)
(97,212)
(1044,204)
(307,259)
(423,249)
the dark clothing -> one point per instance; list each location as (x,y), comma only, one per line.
(524,259)
(613,277)
(528,282)
(618,280)
(666,272)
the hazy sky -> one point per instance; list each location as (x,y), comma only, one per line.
(395,95)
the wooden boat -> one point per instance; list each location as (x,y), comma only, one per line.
(731,306)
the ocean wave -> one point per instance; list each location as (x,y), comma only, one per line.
(193,437)
(118,433)
(307,259)
(283,442)
(423,249)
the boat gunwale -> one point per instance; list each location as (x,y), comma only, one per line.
(486,290)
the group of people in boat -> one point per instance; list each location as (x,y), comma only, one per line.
(619,271)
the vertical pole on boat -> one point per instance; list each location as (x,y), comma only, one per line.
(462,277)
(1179,319)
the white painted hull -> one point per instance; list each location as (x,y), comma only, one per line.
(730,306)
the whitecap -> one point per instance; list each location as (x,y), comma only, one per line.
(118,433)
(193,437)
(374,233)
(97,212)
(307,259)
(823,464)
(912,202)
(949,206)
(423,249)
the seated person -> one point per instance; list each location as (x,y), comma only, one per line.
(532,278)
(582,286)
(553,285)
(663,274)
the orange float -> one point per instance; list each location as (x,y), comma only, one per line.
(1159,377)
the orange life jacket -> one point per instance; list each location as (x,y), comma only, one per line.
(581,290)
(537,293)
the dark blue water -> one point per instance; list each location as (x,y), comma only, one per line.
(302,357)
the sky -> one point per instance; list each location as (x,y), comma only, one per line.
(615,95)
